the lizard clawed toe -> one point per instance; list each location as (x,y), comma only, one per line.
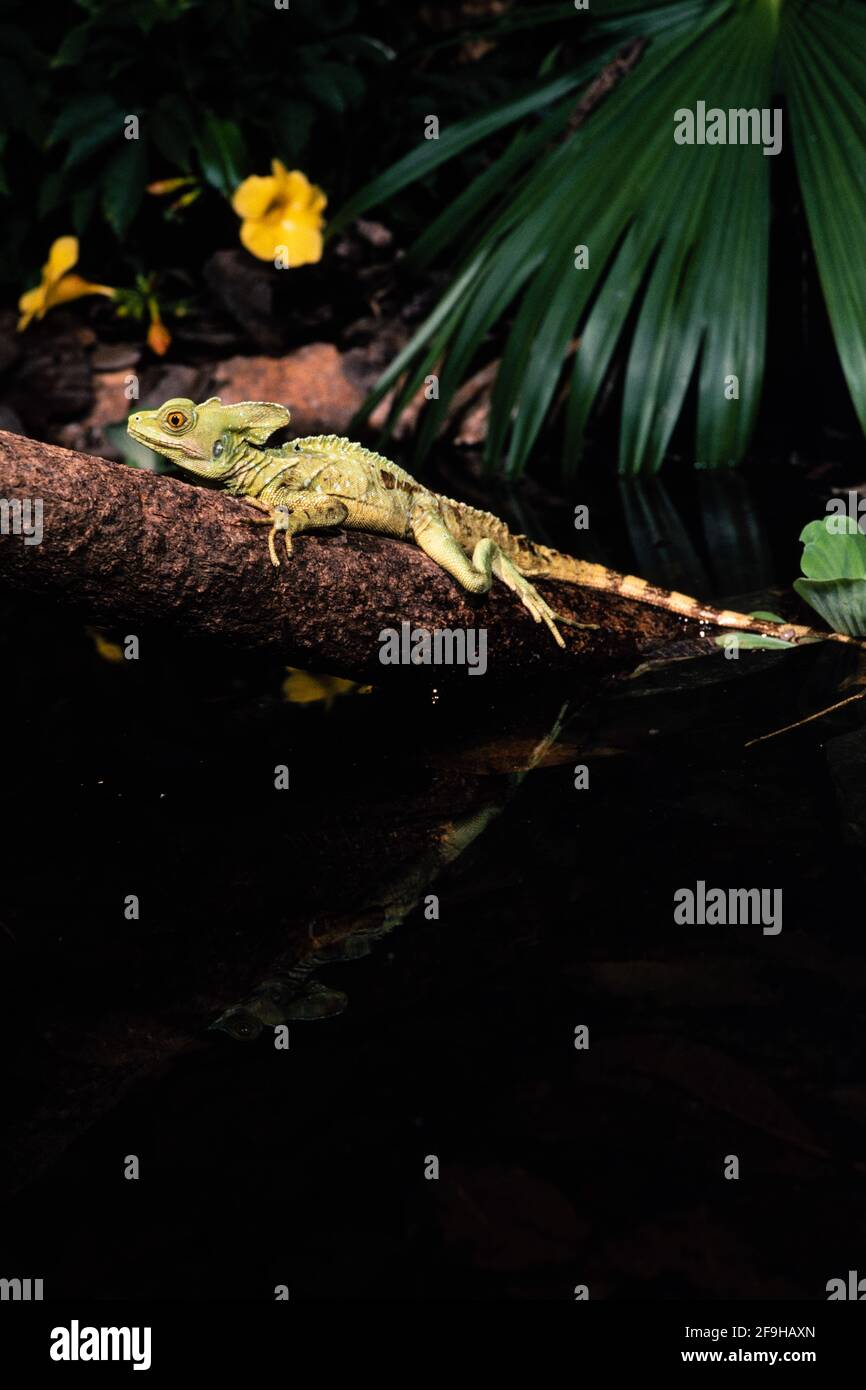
(281,523)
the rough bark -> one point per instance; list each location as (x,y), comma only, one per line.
(121,545)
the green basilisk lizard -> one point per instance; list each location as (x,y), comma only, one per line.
(323,481)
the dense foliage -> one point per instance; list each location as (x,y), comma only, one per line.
(676,234)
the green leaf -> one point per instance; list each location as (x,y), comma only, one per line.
(172,128)
(833,548)
(123,186)
(750,639)
(291,124)
(821,49)
(429,154)
(678,235)
(222,154)
(334,85)
(74,45)
(87,124)
(84,114)
(834,563)
(840,602)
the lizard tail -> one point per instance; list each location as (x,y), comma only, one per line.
(540,562)
(554,565)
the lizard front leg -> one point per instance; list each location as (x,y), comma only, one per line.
(302,512)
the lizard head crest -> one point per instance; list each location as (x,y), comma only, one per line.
(205,438)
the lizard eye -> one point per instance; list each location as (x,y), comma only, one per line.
(218,448)
(175,419)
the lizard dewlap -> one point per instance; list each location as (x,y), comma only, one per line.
(324,480)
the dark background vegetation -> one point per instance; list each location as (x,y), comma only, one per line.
(333,88)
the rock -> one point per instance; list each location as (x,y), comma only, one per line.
(166,379)
(111,357)
(374,232)
(84,439)
(246,288)
(159,383)
(313,382)
(109,402)
(9,421)
(52,378)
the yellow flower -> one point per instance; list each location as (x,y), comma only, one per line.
(57,286)
(281,213)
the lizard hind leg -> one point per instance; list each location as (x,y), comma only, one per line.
(519,585)
(476,575)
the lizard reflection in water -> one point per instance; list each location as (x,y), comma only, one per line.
(293,993)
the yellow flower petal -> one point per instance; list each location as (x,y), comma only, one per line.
(282,211)
(303,243)
(57,287)
(32,306)
(260,239)
(253,197)
(73,287)
(62,257)
(297,187)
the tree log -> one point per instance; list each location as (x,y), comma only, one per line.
(124,546)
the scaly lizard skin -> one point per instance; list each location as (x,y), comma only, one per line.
(325,481)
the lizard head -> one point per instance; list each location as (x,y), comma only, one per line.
(205,439)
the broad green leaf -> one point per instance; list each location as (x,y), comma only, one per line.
(834,563)
(822,50)
(74,45)
(222,154)
(833,548)
(81,115)
(123,186)
(840,602)
(172,128)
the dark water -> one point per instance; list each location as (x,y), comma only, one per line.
(557,1166)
